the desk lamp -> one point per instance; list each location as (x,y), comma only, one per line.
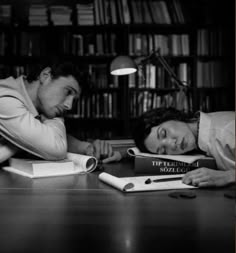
(124,65)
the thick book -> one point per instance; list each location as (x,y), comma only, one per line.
(73,164)
(152,164)
(144,183)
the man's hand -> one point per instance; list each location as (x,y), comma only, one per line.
(116,156)
(204,177)
(103,150)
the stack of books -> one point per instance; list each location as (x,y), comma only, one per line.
(5,14)
(60,15)
(38,15)
(85,14)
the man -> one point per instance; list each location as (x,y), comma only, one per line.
(31,111)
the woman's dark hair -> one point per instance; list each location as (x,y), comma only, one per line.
(156,117)
(57,69)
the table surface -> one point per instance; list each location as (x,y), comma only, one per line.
(81,214)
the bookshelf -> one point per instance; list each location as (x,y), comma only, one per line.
(197,40)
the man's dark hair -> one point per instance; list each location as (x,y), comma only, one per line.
(156,117)
(57,69)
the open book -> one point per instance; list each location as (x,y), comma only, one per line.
(74,164)
(144,183)
(152,164)
(182,158)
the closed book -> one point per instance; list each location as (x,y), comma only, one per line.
(155,166)
(32,168)
(145,163)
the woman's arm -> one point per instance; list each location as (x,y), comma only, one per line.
(204,177)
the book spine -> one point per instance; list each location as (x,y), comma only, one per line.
(152,166)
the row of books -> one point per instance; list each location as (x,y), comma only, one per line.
(29,44)
(173,44)
(101,12)
(92,44)
(17,70)
(138,12)
(60,15)
(85,13)
(34,44)
(98,105)
(211,74)
(105,105)
(142,101)
(100,78)
(209,43)
(5,13)
(38,15)
(155,77)
(42,15)
(213,101)
(205,104)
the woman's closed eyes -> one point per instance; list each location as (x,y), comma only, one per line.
(161,133)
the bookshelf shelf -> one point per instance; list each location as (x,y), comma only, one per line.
(196,39)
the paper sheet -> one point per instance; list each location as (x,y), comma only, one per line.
(134,184)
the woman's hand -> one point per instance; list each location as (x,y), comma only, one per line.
(204,177)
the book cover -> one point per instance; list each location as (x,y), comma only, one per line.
(32,168)
(154,166)
(145,163)
(144,183)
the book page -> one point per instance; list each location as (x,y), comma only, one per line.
(83,163)
(182,158)
(116,182)
(136,184)
(52,168)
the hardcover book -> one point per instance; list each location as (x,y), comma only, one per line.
(73,164)
(151,164)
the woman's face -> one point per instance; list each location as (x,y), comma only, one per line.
(171,137)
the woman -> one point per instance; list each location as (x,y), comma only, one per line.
(169,131)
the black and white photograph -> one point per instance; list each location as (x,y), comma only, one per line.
(117,126)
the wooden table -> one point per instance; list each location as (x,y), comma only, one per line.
(81,214)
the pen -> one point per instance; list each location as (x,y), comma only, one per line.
(149,181)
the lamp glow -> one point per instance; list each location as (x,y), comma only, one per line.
(123,65)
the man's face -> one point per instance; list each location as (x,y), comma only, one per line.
(171,137)
(55,96)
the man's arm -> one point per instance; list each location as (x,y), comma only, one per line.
(45,139)
(7,150)
(77,146)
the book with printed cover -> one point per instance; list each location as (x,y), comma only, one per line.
(151,164)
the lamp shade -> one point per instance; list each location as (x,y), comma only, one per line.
(122,65)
